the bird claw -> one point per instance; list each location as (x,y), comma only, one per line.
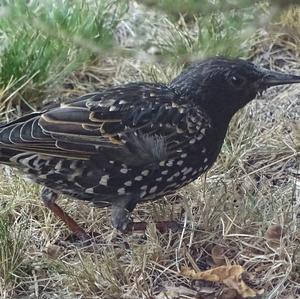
(120,218)
(85,239)
(161,226)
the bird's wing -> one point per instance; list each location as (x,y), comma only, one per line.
(133,123)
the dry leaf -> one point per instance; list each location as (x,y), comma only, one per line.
(53,251)
(218,255)
(250,280)
(273,235)
(176,292)
(228,294)
(231,276)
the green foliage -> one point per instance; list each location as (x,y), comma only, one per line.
(34,55)
(43,42)
(222,33)
(48,39)
(196,7)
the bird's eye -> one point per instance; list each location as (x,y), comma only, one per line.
(237,81)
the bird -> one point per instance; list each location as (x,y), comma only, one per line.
(136,142)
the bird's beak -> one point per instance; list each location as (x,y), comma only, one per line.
(272,78)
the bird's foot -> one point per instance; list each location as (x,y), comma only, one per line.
(161,226)
(120,217)
(84,239)
(122,221)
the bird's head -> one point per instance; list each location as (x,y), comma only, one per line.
(223,86)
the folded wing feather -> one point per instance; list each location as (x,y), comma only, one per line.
(135,122)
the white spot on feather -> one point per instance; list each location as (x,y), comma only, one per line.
(179,131)
(104,180)
(187,170)
(145,172)
(179,162)
(89,190)
(58,165)
(73,165)
(113,108)
(170,179)
(107,103)
(153,189)
(121,191)
(170,163)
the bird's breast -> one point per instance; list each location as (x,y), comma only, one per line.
(153,181)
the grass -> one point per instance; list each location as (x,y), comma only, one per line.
(253,185)
(194,7)
(14,242)
(208,28)
(43,42)
(12,250)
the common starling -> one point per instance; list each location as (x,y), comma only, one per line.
(136,142)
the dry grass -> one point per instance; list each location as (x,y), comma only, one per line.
(254,184)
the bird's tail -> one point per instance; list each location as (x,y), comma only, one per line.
(6,154)
(9,141)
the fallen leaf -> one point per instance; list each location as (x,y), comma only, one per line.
(231,276)
(218,255)
(273,235)
(53,251)
(176,292)
(228,294)
(250,280)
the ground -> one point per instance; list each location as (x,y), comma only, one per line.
(245,211)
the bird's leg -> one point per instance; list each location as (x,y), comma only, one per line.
(121,219)
(49,197)
(161,226)
(120,214)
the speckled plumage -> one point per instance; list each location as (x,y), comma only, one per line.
(135,142)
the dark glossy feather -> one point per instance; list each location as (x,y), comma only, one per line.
(132,127)
(114,119)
